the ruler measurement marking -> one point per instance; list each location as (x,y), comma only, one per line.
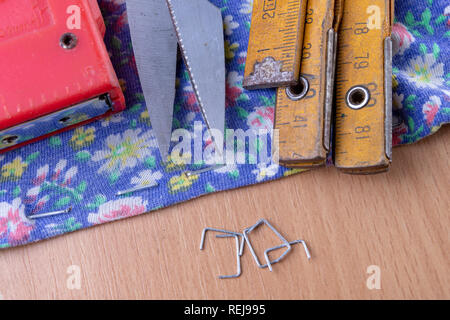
(304,129)
(284,47)
(359,131)
(285,24)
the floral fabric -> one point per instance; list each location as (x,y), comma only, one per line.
(421,70)
(87,167)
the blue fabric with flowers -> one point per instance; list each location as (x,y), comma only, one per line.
(85,168)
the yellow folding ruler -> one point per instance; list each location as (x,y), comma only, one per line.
(363,119)
(304,112)
(363,97)
(276,37)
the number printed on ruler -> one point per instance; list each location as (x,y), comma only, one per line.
(301,111)
(363,87)
(274,49)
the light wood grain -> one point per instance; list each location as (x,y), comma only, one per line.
(398,221)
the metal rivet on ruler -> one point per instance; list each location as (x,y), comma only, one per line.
(298,91)
(358,97)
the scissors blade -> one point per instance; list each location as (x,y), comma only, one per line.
(199,28)
(155,48)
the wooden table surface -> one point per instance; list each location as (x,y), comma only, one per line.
(397,221)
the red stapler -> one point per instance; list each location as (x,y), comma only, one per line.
(55,71)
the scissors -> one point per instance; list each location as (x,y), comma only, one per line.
(157,28)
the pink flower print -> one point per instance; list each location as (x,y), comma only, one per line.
(430,109)
(121,22)
(118,209)
(190,99)
(14,224)
(402,38)
(233,88)
(49,184)
(261,118)
(398,132)
(447,14)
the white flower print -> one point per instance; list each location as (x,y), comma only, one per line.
(247,7)
(125,151)
(425,72)
(115,118)
(147,178)
(234,79)
(397,102)
(230,25)
(265,171)
(190,117)
(226,168)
